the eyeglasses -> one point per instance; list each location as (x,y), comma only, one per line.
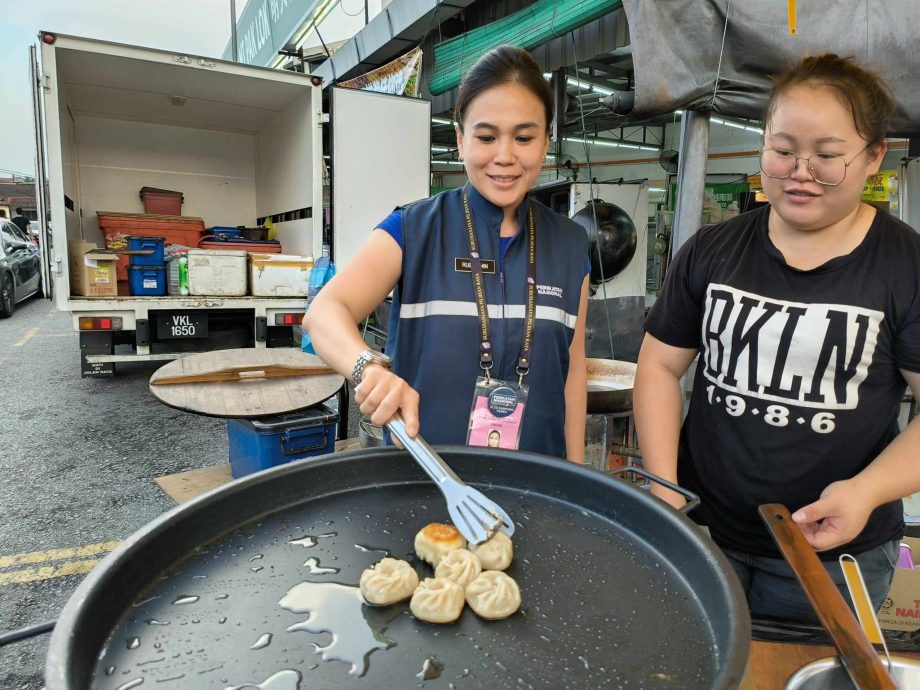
(828,169)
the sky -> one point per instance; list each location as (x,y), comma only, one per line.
(200,27)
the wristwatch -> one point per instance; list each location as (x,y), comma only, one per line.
(369,357)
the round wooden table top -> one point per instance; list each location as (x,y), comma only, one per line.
(257,397)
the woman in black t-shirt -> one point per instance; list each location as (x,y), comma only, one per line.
(806,319)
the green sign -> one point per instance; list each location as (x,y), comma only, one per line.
(721,201)
(265,27)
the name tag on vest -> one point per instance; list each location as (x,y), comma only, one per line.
(466,265)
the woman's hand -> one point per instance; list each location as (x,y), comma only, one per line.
(381,394)
(837,517)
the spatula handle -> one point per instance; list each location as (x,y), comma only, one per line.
(856,653)
(423,454)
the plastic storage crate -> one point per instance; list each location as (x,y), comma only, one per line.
(257,444)
(140,243)
(162,201)
(184,230)
(147,281)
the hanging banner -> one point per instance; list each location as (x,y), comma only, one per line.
(398,78)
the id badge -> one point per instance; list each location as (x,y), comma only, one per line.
(496,414)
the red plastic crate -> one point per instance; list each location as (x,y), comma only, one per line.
(116,227)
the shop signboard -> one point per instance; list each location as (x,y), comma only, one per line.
(265,27)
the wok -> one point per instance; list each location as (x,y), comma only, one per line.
(610,385)
(237,587)
(611,236)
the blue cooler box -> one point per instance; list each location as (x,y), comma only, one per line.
(257,444)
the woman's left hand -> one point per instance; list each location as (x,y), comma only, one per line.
(837,517)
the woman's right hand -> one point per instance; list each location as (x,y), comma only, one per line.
(381,394)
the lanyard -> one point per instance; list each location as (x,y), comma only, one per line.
(479,291)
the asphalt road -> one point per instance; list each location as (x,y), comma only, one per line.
(77,463)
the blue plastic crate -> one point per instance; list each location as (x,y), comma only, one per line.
(147,281)
(225,232)
(257,444)
(156,244)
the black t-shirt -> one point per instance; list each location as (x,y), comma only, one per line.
(798,382)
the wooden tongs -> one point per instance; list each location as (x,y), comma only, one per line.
(243,373)
(856,653)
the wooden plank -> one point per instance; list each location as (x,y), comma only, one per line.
(184,486)
(250,398)
(248,373)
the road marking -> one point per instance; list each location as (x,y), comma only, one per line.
(48,572)
(28,336)
(57,554)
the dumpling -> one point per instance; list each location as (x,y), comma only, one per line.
(459,566)
(437,601)
(435,540)
(388,582)
(495,553)
(493,595)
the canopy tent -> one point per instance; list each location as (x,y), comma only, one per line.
(685,56)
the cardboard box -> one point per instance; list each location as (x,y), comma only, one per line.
(92,270)
(901,609)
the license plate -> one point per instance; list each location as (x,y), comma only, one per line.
(182,324)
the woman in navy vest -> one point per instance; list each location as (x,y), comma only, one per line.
(488,285)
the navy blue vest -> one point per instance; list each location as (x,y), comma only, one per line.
(433,331)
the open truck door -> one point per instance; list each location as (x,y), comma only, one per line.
(41,177)
(381,159)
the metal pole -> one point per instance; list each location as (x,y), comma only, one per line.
(233,30)
(691,176)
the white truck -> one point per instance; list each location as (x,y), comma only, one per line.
(242,143)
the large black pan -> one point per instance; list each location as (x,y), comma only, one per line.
(618,590)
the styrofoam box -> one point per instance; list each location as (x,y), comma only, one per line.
(280,275)
(219,272)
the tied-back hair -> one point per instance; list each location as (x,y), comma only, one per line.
(868,98)
(503,65)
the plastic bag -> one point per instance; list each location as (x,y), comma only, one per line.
(322,272)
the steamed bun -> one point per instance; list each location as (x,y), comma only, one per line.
(388,582)
(434,541)
(493,595)
(495,553)
(437,601)
(459,566)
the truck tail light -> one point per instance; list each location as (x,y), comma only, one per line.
(100,323)
(294,319)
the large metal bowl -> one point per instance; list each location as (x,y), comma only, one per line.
(610,385)
(829,674)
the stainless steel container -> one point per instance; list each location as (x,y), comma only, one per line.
(829,674)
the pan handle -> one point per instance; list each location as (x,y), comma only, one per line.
(692,499)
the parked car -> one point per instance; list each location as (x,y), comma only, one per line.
(20,267)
